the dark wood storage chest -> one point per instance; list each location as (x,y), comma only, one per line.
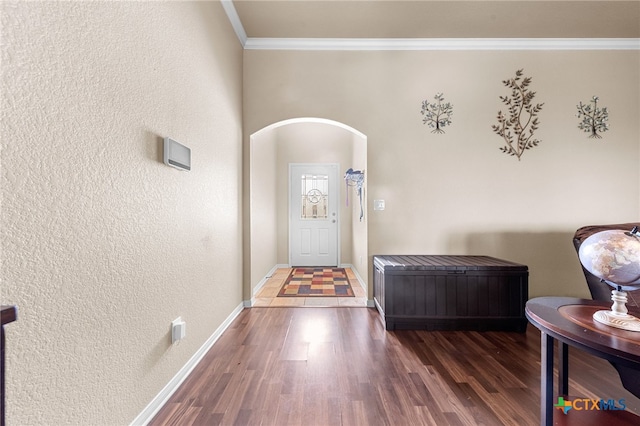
(440,292)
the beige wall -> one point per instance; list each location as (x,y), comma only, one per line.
(103,245)
(263,243)
(359,235)
(456,193)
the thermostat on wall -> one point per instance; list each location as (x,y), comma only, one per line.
(176,155)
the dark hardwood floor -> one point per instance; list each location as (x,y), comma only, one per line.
(338,366)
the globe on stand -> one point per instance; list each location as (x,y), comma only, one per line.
(614,257)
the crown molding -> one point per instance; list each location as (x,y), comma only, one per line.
(252,43)
(232,14)
(443,44)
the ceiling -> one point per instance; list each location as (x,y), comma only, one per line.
(425,19)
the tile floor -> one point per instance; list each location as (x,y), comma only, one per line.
(267,295)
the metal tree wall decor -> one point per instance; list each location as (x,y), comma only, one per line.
(355,178)
(518,128)
(437,115)
(594,119)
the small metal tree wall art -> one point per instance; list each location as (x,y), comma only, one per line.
(594,119)
(437,114)
(519,127)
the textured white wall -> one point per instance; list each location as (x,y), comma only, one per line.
(456,193)
(103,245)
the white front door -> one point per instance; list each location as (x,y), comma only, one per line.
(313,214)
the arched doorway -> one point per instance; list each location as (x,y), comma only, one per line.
(301,140)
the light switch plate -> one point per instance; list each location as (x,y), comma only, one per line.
(378,204)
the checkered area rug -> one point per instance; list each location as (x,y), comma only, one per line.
(310,282)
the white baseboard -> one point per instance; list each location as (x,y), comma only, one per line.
(370,302)
(266,278)
(249,303)
(356,273)
(158,402)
